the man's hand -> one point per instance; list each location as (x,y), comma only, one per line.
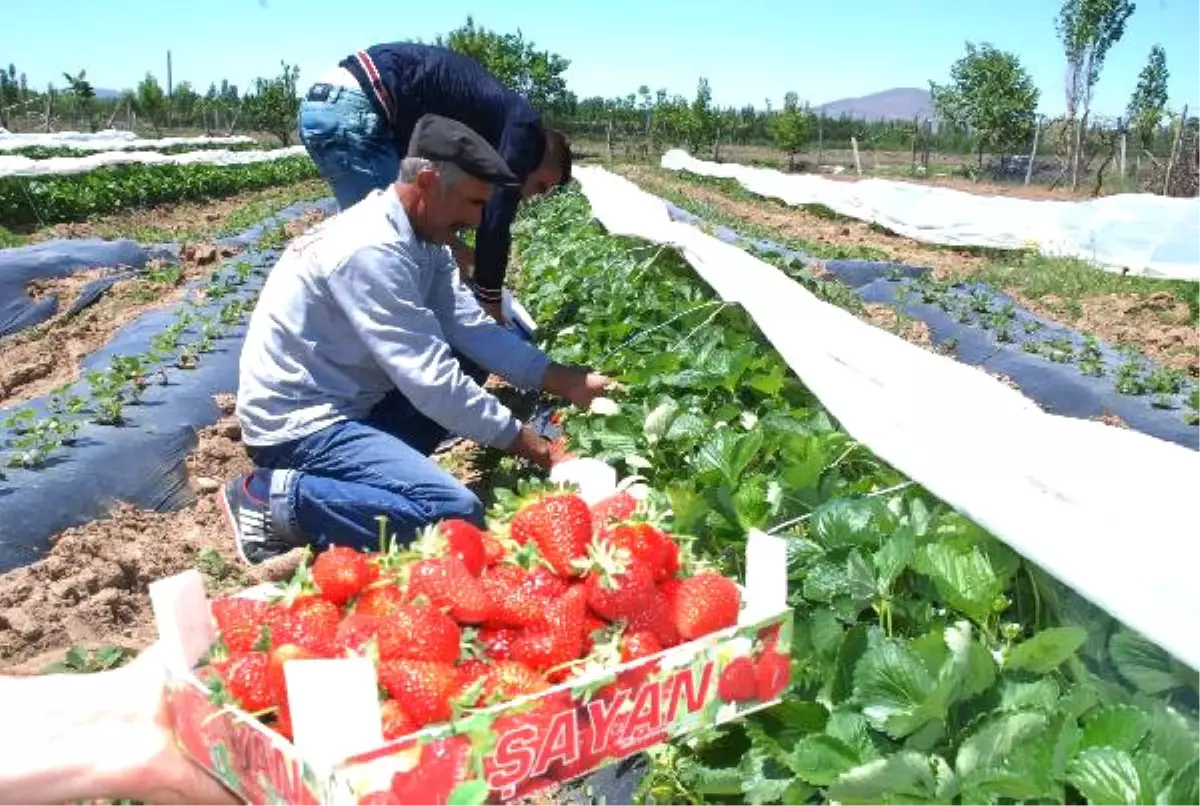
(579,385)
(529,446)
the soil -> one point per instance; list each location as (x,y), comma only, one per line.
(911,330)
(44,357)
(1158,325)
(805,226)
(38,360)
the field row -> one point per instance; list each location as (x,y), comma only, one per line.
(931,662)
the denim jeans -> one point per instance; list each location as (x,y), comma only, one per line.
(328,488)
(351,145)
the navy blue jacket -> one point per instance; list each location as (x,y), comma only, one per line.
(405,81)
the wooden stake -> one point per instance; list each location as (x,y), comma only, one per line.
(1037,130)
(1174,151)
(857,162)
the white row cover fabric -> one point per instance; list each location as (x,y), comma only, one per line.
(109,140)
(1108,511)
(1141,233)
(61,166)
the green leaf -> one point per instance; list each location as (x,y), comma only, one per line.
(635,462)
(804,461)
(686,426)
(1106,776)
(848,654)
(770,382)
(968,669)
(659,420)
(1142,663)
(1185,786)
(1172,736)
(892,685)
(687,506)
(845,522)
(824,582)
(906,777)
(825,631)
(894,557)
(1040,695)
(821,759)
(750,503)
(963,577)
(1047,650)
(469,793)
(860,580)
(992,743)
(764,780)
(851,729)
(1119,726)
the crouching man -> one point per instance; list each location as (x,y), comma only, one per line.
(347,377)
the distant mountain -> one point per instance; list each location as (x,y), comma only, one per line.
(901,103)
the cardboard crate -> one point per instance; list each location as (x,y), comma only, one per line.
(338,755)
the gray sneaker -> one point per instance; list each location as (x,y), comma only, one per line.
(250,520)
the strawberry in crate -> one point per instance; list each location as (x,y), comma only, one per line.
(554,591)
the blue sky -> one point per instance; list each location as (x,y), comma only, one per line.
(749,50)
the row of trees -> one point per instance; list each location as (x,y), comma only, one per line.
(269,106)
(988,106)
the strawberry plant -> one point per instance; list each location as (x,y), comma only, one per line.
(930,662)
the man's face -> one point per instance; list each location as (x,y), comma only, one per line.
(450,209)
(539,182)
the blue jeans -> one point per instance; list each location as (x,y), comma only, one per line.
(351,145)
(334,483)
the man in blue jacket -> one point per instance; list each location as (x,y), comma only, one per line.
(348,378)
(357,119)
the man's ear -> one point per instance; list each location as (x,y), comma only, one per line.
(426,179)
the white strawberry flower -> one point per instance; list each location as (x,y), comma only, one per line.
(604,406)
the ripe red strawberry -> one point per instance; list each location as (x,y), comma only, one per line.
(447,583)
(619,585)
(737,682)
(340,572)
(358,630)
(277,682)
(396,721)
(493,550)
(380,600)
(639,644)
(644,543)
(508,680)
(424,688)
(617,507)
(544,583)
(771,675)
(704,604)
(381,798)
(658,618)
(240,621)
(472,673)
(245,679)
(498,641)
(309,621)
(672,558)
(559,640)
(514,595)
(560,525)
(454,537)
(426,633)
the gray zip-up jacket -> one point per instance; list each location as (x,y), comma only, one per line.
(360,306)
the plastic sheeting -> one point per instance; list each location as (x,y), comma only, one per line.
(1107,511)
(54,259)
(109,140)
(143,461)
(60,166)
(1058,386)
(1139,233)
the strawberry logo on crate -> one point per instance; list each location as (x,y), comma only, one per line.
(269,773)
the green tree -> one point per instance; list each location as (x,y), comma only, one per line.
(82,93)
(790,127)
(700,121)
(516,63)
(273,105)
(990,92)
(1149,98)
(11,92)
(150,102)
(184,100)
(1088,29)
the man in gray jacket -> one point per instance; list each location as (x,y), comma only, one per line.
(347,377)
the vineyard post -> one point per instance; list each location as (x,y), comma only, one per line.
(1174,151)
(1121,166)
(854,147)
(820,140)
(925,144)
(610,136)
(1037,128)
(49,110)
(916,130)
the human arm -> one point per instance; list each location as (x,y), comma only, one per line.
(104,735)
(521,147)
(379,289)
(499,350)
